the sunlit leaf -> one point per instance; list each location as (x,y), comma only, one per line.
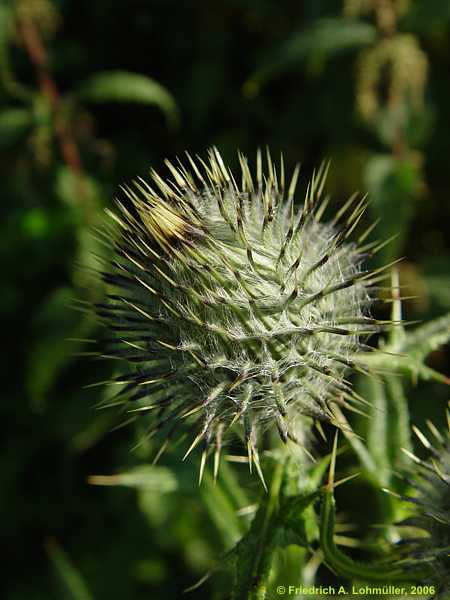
(149,477)
(123,86)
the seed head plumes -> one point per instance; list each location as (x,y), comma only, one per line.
(239,309)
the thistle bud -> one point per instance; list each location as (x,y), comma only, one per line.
(430,481)
(238,309)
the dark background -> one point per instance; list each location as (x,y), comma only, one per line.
(241,74)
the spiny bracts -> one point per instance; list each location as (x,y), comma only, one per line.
(430,482)
(238,309)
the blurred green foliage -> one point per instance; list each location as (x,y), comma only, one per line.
(93,94)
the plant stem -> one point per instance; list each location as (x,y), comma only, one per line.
(263,557)
(39,58)
(346,567)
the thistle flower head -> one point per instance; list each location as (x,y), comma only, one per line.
(238,309)
(431,480)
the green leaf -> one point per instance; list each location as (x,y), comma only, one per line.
(383,571)
(365,458)
(221,510)
(439,289)
(378,428)
(148,477)
(387,430)
(426,338)
(6,18)
(427,17)
(408,352)
(292,519)
(322,40)
(14,124)
(52,348)
(416,125)
(232,485)
(13,87)
(123,86)
(73,586)
(435,272)
(399,421)
(36,223)
(278,523)
(254,552)
(392,187)
(83,196)
(69,185)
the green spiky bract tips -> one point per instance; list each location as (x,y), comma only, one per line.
(238,309)
(430,480)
